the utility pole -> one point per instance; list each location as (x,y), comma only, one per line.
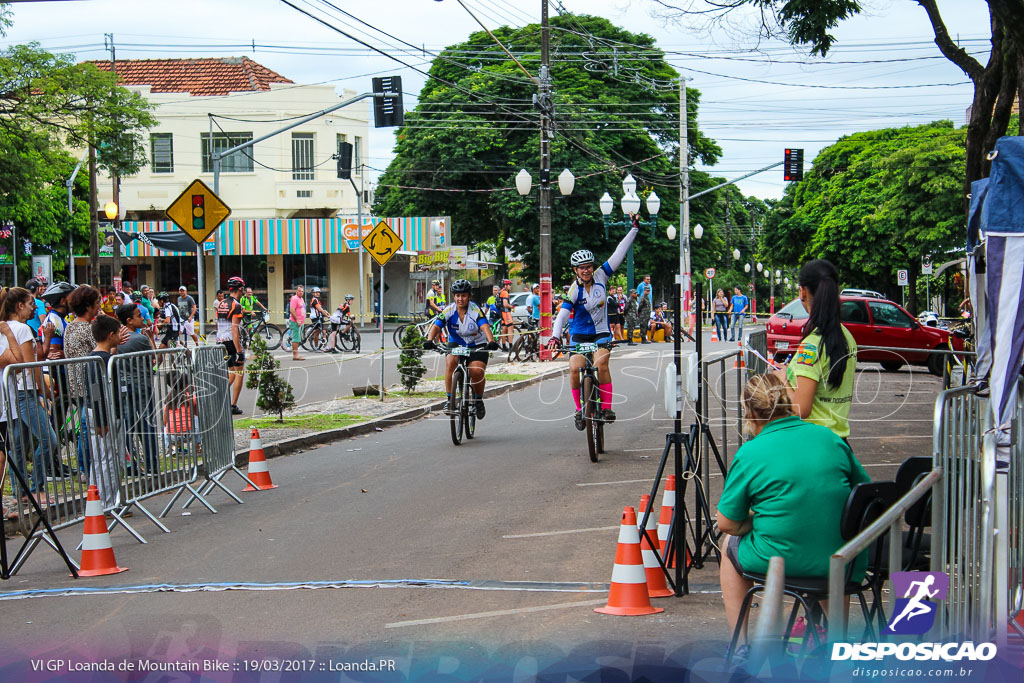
(94,225)
(546,107)
(684,211)
(115,271)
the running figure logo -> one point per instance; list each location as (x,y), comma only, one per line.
(914,613)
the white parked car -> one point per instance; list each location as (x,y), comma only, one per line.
(518,301)
(869,293)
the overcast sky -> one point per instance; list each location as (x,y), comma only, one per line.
(753,120)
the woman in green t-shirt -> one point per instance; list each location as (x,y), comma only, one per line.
(821,373)
(784,494)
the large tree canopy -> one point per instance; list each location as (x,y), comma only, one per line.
(996,83)
(875,202)
(49,104)
(616,111)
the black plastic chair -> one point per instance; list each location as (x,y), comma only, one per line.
(916,543)
(866,503)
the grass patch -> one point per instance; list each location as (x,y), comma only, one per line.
(496,377)
(398,394)
(315,422)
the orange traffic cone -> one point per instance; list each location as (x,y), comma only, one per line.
(741,362)
(97,553)
(656,586)
(628,595)
(258,472)
(714,333)
(668,505)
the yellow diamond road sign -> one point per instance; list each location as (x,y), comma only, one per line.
(382,243)
(198,211)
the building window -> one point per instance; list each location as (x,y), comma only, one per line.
(341,138)
(238,162)
(161,147)
(304,194)
(357,154)
(308,270)
(302,156)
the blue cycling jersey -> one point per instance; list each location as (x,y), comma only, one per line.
(465,331)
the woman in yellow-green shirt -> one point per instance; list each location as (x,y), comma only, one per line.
(820,375)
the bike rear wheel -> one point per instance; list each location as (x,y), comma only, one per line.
(456,404)
(271,334)
(399,333)
(517,349)
(469,415)
(588,390)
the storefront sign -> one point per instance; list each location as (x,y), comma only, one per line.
(433,260)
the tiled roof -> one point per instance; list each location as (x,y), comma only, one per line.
(204,76)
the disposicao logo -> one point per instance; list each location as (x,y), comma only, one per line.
(914,614)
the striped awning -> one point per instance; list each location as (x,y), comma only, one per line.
(261,236)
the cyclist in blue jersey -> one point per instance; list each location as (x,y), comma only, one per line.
(587,300)
(467,326)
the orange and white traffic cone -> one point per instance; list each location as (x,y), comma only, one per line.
(628,595)
(668,505)
(656,586)
(741,362)
(97,552)
(714,333)
(258,473)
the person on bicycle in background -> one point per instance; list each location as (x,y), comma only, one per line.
(169,320)
(491,307)
(435,299)
(505,307)
(467,326)
(588,301)
(317,315)
(249,303)
(229,334)
(342,315)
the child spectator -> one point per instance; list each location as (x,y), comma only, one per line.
(103,470)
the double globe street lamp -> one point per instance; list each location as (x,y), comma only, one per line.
(630,204)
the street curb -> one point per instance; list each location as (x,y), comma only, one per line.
(298,443)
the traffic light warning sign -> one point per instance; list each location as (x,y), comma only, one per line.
(198,211)
(793,168)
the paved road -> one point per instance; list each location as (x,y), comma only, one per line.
(521,503)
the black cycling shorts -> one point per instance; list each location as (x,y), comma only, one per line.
(169,336)
(235,358)
(480,356)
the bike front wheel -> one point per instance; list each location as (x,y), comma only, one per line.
(588,390)
(456,404)
(271,335)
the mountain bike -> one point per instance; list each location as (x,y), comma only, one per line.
(423,326)
(461,411)
(306,334)
(957,370)
(259,325)
(590,397)
(350,340)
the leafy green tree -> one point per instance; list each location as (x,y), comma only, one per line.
(616,111)
(410,363)
(274,393)
(49,104)
(873,203)
(997,83)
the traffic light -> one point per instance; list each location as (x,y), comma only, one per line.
(387,111)
(199,212)
(793,168)
(345,160)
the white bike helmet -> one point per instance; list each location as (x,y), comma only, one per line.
(580,257)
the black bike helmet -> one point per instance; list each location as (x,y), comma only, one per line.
(236,283)
(460,286)
(57,291)
(32,284)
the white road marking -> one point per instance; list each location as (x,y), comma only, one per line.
(496,613)
(610,483)
(566,531)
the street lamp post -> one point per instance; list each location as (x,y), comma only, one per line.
(566,184)
(775,276)
(630,204)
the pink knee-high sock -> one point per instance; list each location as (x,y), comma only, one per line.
(576,398)
(606,395)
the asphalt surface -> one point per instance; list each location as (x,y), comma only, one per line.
(520,503)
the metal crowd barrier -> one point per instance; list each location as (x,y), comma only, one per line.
(755,348)
(963,545)
(890,522)
(61,437)
(717,390)
(153,390)
(1015,519)
(213,415)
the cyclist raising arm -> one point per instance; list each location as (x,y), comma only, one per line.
(587,300)
(467,326)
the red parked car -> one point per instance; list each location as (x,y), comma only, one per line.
(872,322)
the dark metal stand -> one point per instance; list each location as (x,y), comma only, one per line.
(7,568)
(701,526)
